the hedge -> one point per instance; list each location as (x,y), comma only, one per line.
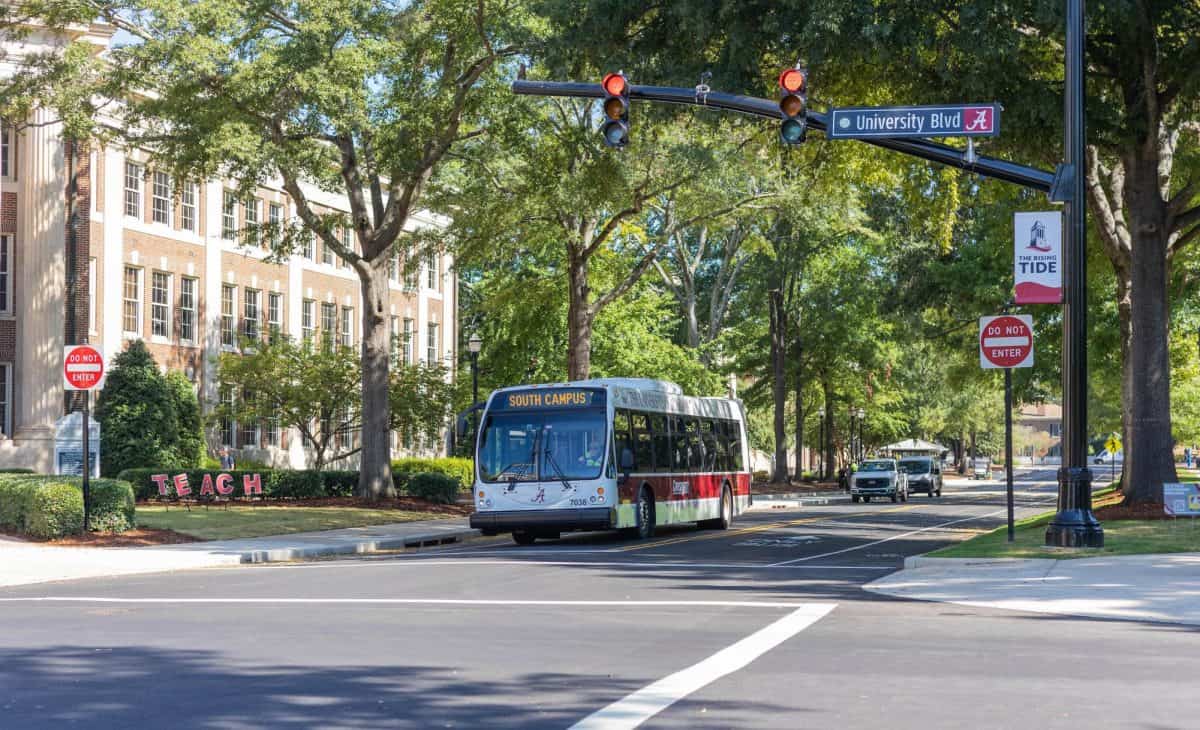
(461,469)
(276,484)
(46,506)
(17,470)
(438,488)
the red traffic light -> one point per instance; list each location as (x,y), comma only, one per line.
(792,80)
(614,84)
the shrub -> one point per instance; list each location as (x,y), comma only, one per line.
(400,480)
(145,418)
(16,470)
(461,469)
(52,506)
(287,484)
(340,483)
(762,476)
(434,487)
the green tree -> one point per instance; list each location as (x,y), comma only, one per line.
(353,97)
(314,390)
(146,419)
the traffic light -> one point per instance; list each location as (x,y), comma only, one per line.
(793,105)
(615,128)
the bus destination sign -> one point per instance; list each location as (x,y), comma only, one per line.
(552,399)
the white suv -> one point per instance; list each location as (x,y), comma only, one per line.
(879,478)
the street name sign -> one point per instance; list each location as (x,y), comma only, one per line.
(1006,341)
(1037,257)
(83,367)
(956,120)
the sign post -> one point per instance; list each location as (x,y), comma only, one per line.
(1007,342)
(1112,446)
(83,369)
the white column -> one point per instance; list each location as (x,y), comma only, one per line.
(114,250)
(41,289)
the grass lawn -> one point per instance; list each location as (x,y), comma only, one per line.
(219,523)
(1121,537)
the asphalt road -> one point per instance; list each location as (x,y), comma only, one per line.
(761,626)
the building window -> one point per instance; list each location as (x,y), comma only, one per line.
(160,304)
(346,244)
(133,190)
(132,302)
(251,313)
(275,218)
(394,337)
(160,199)
(407,341)
(228,333)
(410,278)
(394,268)
(432,268)
(310,245)
(5,399)
(229,217)
(187,309)
(431,356)
(344,431)
(250,219)
(5,149)
(187,207)
(348,326)
(275,313)
(326,253)
(228,425)
(271,432)
(6,305)
(249,434)
(308,316)
(328,323)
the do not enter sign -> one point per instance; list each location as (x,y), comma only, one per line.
(1006,341)
(83,367)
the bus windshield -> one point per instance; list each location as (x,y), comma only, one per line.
(527,446)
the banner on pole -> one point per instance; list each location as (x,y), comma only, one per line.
(1037,257)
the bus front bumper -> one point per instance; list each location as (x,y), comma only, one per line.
(559,520)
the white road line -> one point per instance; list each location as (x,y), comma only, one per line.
(636,708)
(790,563)
(411,601)
(415,561)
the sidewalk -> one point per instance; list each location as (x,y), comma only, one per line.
(1160,588)
(22,563)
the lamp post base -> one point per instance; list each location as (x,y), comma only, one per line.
(1075,526)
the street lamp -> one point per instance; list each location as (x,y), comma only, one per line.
(474,345)
(821,447)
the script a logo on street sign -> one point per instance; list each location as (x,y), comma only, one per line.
(1006,341)
(83,367)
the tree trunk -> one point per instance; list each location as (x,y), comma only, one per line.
(798,387)
(375,471)
(1146,373)
(693,324)
(579,317)
(828,446)
(778,382)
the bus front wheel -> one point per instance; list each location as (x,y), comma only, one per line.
(523,537)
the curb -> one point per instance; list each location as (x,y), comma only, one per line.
(922,561)
(361,547)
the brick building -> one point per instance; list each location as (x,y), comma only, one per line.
(135,254)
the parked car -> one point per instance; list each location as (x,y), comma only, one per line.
(981,468)
(879,478)
(924,474)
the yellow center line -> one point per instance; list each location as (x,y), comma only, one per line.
(756,528)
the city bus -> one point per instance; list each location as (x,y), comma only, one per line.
(629,454)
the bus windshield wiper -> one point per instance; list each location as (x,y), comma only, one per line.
(528,463)
(554,463)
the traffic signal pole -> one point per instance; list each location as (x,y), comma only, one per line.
(1030,177)
(1074,525)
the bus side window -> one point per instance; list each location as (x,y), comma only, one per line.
(679,445)
(661,437)
(735,445)
(695,447)
(621,439)
(708,442)
(643,447)
(721,446)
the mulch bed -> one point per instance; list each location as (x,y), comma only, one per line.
(410,504)
(1120,511)
(130,538)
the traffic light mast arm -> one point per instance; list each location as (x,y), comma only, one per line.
(1030,177)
